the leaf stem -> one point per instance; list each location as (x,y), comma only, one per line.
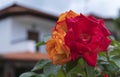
(107,55)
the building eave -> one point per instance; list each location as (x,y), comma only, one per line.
(17,10)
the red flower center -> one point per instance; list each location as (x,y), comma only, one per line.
(85,38)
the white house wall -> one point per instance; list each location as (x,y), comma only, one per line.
(5,34)
(21,25)
(18,31)
(13,32)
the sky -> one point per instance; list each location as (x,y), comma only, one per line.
(102,8)
(108,8)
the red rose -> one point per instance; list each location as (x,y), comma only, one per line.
(86,36)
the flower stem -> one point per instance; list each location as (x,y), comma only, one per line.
(86,70)
(63,71)
(89,70)
(107,54)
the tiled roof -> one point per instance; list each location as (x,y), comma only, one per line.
(6,6)
(25,56)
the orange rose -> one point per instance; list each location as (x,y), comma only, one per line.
(61,23)
(69,14)
(58,52)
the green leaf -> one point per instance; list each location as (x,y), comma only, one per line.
(90,71)
(102,54)
(28,74)
(51,69)
(41,75)
(116,50)
(76,71)
(116,60)
(71,65)
(41,43)
(115,65)
(115,53)
(51,75)
(112,68)
(114,43)
(60,73)
(40,65)
(81,62)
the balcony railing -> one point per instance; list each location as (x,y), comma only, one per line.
(23,46)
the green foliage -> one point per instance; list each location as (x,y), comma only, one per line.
(114,54)
(90,72)
(28,74)
(71,65)
(40,75)
(108,62)
(40,65)
(41,43)
(75,71)
(51,69)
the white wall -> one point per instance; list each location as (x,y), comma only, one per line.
(23,46)
(18,31)
(5,33)
(22,24)
(13,33)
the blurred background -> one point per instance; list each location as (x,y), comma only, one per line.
(24,23)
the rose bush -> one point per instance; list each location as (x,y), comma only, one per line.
(84,35)
(79,46)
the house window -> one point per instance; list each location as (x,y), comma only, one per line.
(33,35)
